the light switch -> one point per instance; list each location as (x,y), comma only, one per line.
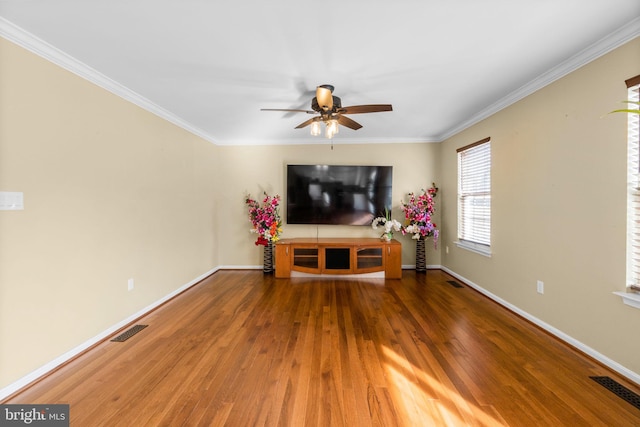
(11,201)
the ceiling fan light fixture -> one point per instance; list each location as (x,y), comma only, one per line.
(332,128)
(331,112)
(315,128)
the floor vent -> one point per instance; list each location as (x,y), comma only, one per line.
(620,390)
(129,333)
(454,284)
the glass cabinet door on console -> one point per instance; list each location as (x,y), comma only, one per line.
(306,259)
(369,259)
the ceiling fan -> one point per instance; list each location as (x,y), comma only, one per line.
(331,112)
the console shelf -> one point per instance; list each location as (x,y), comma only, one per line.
(338,256)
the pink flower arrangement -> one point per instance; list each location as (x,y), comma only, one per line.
(418,213)
(265,218)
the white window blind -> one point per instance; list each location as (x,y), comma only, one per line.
(474,194)
(633,186)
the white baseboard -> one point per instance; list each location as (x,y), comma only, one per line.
(631,375)
(429,267)
(43,370)
(241,267)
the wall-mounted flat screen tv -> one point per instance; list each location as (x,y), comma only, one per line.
(337,194)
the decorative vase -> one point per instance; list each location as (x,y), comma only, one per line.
(386,237)
(268,259)
(421,257)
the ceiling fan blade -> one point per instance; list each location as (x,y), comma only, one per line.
(371,108)
(351,124)
(288,110)
(307,123)
(324,97)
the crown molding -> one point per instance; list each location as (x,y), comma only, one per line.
(28,41)
(603,46)
(43,49)
(309,140)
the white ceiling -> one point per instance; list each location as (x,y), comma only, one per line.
(209,67)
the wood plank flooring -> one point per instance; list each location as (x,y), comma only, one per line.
(245,349)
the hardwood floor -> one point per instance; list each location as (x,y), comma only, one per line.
(244,349)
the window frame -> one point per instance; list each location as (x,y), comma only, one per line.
(631,295)
(633,186)
(466,240)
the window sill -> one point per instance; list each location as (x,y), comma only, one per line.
(630,298)
(474,247)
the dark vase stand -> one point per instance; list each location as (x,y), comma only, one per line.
(421,257)
(268,259)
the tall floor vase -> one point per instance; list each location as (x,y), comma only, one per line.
(268,259)
(421,257)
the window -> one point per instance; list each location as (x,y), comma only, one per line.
(633,186)
(474,197)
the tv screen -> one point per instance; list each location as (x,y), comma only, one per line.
(335,194)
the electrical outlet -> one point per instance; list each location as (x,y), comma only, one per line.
(130,284)
(446,249)
(540,287)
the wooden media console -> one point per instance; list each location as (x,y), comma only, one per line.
(338,256)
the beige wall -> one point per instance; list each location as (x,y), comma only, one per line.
(257,169)
(111,192)
(558,206)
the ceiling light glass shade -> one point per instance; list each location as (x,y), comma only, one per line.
(315,128)
(332,128)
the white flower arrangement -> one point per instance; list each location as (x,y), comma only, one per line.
(390,225)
